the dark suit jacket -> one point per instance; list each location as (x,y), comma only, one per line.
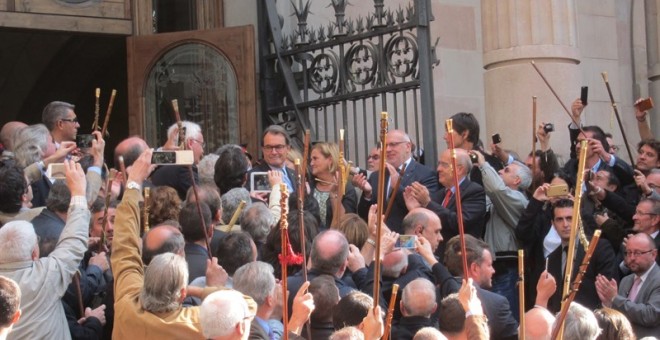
(643,312)
(473,202)
(415,172)
(196,257)
(48,227)
(408,327)
(175,176)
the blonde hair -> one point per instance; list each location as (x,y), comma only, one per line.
(329,150)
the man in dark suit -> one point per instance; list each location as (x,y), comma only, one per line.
(473,198)
(638,296)
(399,155)
(178,176)
(418,302)
(480,266)
(192,228)
(256,279)
(275,145)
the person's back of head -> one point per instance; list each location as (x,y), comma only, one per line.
(235,250)
(613,324)
(329,252)
(354,228)
(161,239)
(580,323)
(452,316)
(394,264)
(351,309)
(13,187)
(418,298)
(257,220)
(59,197)
(209,194)
(130,149)
(164,204)
(192,224)
(230,202)
(18,242)
(347,333)
(206,169)
(8,132)
(230,168)
(10,303)
(225,314)
(429,333)
(256,280)
(474,248)
(326,297)
(538,324)
(31,144)
(165,280)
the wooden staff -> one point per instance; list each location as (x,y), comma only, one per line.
(301,215)
(284,226)
(235,216)
(108,195)
(305,160)
(570,115)
(618,118)
(199,211)
(521,291)
(395,189)
(145,212)
(341,181)
(95,124)
(575,223)
(390,312)
(76,285)
(122,168)
(179,124)
(380,199)
(533,140)
(104,131)
(449,125)
(559,324)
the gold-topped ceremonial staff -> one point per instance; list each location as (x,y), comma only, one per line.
(559,324)
(284,226)
(235,216)
(97,108)
(341,182)
(449,125)
(390,312)
(122,168)
(618,118)
(301,215)
(568,112)
(146,206)
(179,124)
(380,199)
(521,291)
(104,131)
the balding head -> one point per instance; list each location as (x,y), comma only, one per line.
(130,148)
(161,239)
(330,253)
(445,167)
(539,324)
(395,264)
(418,298)
(7,133)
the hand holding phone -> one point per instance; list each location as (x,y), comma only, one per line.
(497,139)
(584,94)
(406,242)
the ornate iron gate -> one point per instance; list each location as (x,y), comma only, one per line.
(343,74)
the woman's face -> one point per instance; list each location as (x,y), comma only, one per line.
(319,163)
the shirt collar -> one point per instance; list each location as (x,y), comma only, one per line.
(648,271)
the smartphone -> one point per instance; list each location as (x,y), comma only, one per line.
(557,190)
(84,141)
(474,158)
(584,95)
(183,157)
(497,139)
(259,182)
(56,171)
(406,242)
(645,104)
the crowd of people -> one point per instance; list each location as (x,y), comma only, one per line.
(87,254)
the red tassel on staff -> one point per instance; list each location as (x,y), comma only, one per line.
(459,209)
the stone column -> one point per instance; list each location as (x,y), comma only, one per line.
(653,55)
(515,32)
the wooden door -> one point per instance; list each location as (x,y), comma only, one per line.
(212,75)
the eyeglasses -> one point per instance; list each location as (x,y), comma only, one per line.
(636,253)
(277,148)
(202,144)
(374,157)
(394,144)
(637,212)
(72,120)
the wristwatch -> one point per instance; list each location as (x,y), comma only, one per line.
(133,185)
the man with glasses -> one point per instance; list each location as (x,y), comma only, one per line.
(647,220)
(275,145)
(638,296)
(61,121)
(401,169)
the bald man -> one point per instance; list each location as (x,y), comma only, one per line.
(164,238)
(418,302)
(130,148)
(7,135)
(538,324)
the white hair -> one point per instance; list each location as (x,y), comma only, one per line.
(17,240)
(192,129)
(581,323)
(164,278)
(206,168)
(221,311)
(429,333)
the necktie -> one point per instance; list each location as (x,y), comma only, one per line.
(635,288)
(564,254)
(445,202)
